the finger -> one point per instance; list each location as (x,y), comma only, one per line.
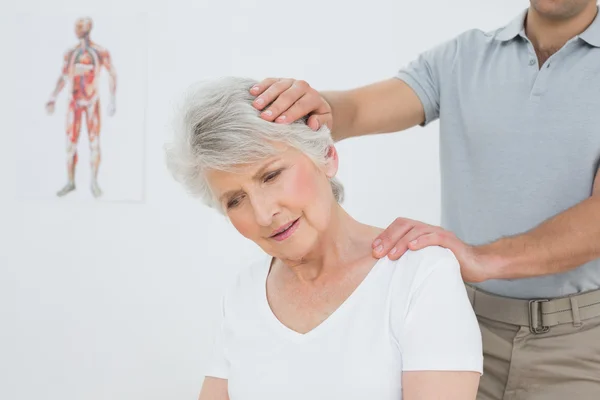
(432,239)
(401,246)
(296,110)
(267,90)
(263,85)
(388,238)
(316,121)
(284,100)
(272,93)
(305,105)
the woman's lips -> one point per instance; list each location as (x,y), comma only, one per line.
(288,232)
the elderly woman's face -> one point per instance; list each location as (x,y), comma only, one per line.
(282,203)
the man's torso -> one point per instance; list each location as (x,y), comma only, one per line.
(519,143)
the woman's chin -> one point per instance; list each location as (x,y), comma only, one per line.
(291,255)
(290,251)
(295,247)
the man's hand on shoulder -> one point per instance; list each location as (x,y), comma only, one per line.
(407,234)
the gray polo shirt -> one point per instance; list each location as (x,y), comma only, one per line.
(519,142)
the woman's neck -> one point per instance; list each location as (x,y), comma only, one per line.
(344,242)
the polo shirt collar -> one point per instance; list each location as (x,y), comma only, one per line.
(592,34)
(517,27)
(514,28)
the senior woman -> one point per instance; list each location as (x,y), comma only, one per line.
(318,317)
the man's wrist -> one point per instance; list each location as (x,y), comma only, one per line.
(495,260)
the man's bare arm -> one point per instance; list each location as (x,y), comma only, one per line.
(382,107)
(559,244)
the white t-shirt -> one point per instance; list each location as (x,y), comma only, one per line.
(406,315)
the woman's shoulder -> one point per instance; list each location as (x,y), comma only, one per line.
(247,280)
(414,268)
(429,292)
(253,269)
(434,296)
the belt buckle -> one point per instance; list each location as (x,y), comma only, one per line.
(535,317)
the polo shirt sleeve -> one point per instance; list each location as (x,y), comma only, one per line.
(218,366)
(440,330)
(426,75)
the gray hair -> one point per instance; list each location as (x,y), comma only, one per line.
(216,127)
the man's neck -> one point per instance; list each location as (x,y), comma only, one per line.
(549,35)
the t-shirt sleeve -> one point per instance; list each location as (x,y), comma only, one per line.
(218,366)
(440,331)
(426,74)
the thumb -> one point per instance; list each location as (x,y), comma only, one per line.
(314,123)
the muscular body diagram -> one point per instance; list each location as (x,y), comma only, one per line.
(82,65)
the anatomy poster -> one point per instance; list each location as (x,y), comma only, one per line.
(82,107)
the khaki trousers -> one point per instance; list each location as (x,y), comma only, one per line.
(555,363)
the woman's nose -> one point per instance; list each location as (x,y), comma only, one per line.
(264,210)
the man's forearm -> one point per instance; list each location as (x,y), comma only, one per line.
(343,111)
(559,244)
(382,107)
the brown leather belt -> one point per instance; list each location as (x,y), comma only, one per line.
(538,314)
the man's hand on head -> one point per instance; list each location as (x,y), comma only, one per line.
(287,100)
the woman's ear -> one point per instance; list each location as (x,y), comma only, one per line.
(332,163)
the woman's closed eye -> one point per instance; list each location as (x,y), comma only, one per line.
(234,202)
(271,176)
(267,178)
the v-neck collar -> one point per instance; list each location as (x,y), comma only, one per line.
(339,312)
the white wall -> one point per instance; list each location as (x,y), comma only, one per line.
(117,301)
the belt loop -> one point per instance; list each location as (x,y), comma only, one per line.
(575,310)
(536,317)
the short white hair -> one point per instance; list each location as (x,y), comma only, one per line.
(217,127)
